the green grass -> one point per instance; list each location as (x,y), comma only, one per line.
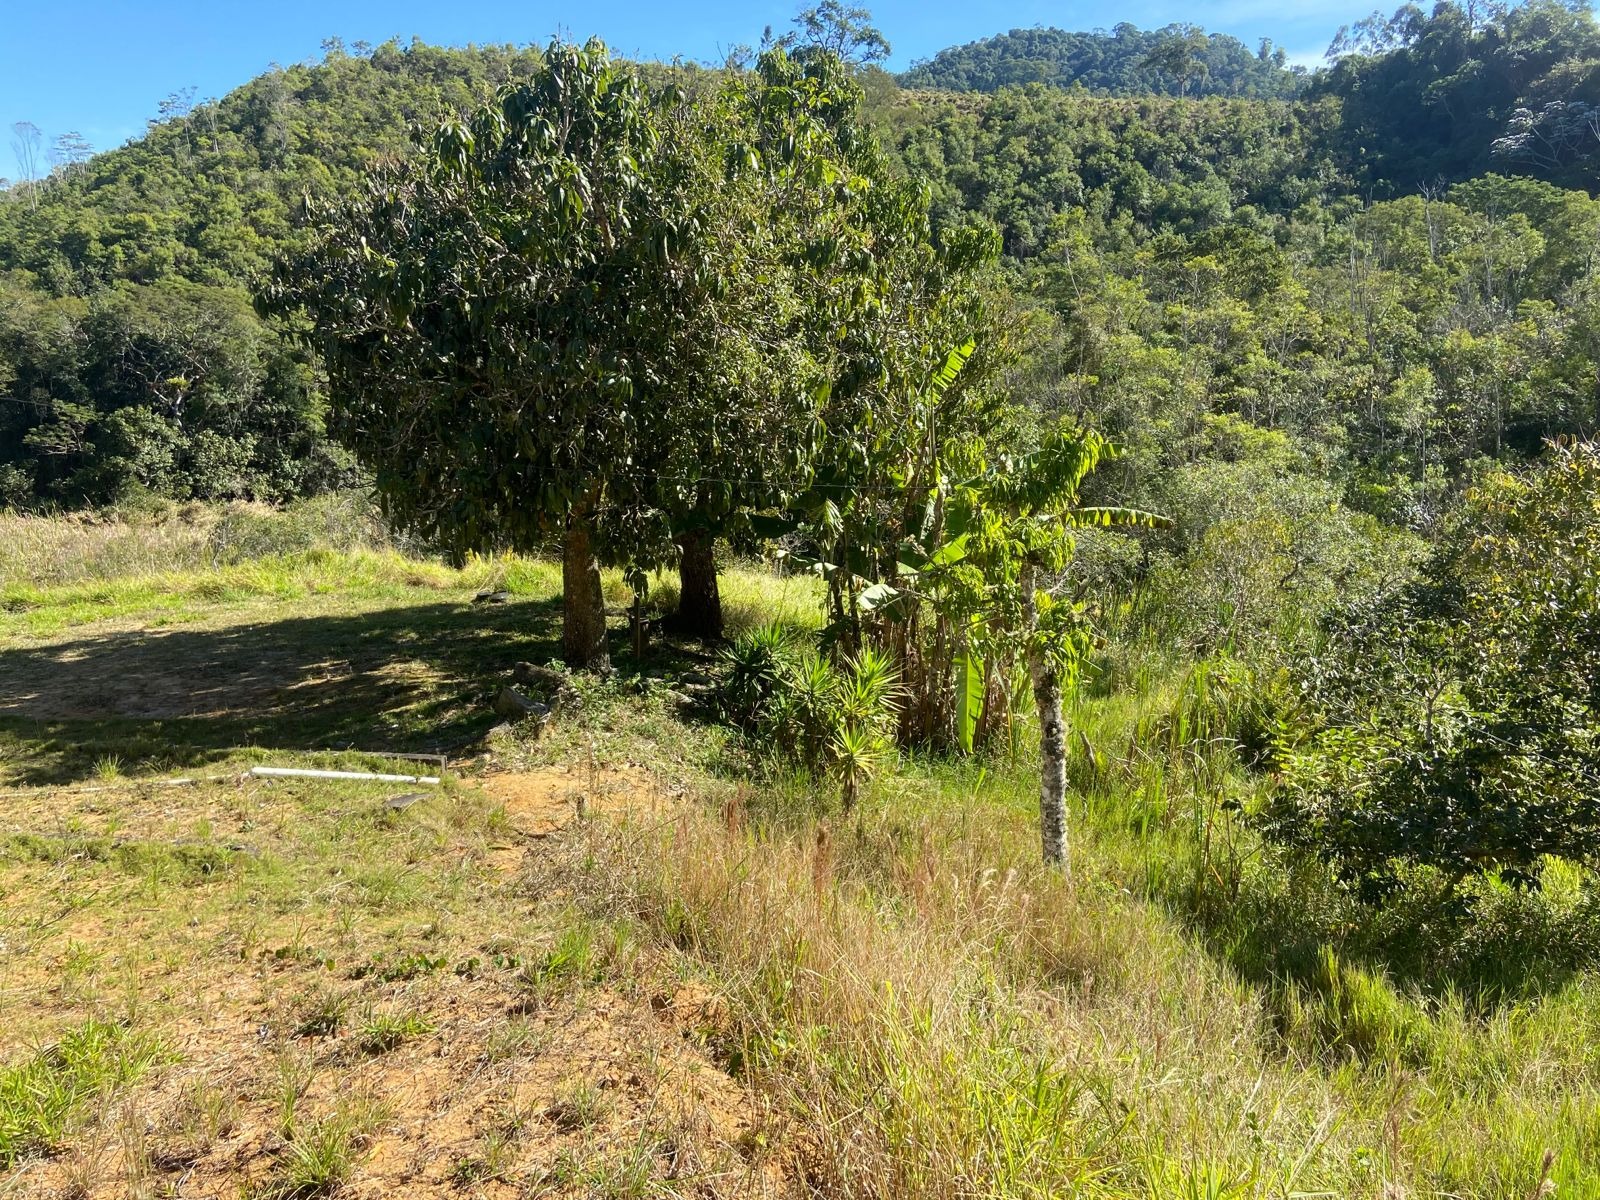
(384,1031)
(43,1097)
(906,994)
(321,1156)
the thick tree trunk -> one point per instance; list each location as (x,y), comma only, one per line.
(699,600)
(583,632)
(1046,679)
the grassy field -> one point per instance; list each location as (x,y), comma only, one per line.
(623,959)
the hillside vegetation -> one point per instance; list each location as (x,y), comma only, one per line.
(1032,630)
(566,974)
(1176,60)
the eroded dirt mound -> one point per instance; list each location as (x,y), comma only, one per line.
(540,802)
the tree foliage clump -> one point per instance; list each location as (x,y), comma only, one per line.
(1457,722)
(625,316)
(1450,92)
(1176,60)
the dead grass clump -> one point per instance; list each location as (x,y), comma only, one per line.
(951,1020)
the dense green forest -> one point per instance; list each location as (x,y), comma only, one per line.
(1391,267)
(1178,60)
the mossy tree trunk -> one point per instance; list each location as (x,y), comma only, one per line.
(583,632)
(1047,692)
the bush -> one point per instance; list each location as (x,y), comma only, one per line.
(1456,722)
(831,718)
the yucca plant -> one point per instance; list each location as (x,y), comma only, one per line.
(855,754)
(758,662)
(867,695)
(810,708)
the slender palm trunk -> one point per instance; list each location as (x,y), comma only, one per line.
(583,633)
(1046,679)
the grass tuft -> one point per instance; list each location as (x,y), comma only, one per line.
(42,1098)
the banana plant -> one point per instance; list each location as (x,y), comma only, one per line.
(1029,507)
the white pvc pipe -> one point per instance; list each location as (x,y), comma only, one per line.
(306,773)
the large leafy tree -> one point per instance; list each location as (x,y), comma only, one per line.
(570,316)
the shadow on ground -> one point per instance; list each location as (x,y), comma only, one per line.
(408,678)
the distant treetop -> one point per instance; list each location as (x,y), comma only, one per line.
(1177,60)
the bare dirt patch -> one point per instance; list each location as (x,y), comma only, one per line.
(541,802)
(520,1078)
(596,1087)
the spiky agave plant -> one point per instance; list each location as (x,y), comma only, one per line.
(811,708)
(867,699)
(758,664)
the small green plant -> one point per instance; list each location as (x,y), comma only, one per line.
(835,720)
(516,1038)
(382,1032)
(294,1077)
(205,1113)
(321,1157)
(579,1105)
(497,1147)
(42,1097)
(758,662)
(575,959)
(322,1014)
(108,768)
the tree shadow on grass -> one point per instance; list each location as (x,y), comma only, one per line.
(413,678)
(406,679)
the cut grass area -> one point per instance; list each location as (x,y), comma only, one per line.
(31,611)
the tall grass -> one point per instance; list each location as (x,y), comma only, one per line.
(1185,1016)
(165,537)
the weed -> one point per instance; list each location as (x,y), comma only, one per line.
(42,1097)
(321,1156)
(204,1114)
(295,1073)
(323,1013)
(382,1032)
(517,1038)
(578,1105)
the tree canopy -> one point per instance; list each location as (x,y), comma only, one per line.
(1175,60)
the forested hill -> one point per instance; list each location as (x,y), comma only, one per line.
(1393,267)
(1178,60)
(208,194)
(1469,88)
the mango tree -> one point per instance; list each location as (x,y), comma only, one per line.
(564,315)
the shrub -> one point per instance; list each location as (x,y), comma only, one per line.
(831,719)
(1456,722)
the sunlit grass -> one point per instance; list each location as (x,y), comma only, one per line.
(43,1096)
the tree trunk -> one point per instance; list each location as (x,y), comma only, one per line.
(699,600)
(1046,679)
(583,632)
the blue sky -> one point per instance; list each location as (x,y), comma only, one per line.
(101,66)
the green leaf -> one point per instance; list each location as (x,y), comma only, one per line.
(954,361)
(969,696)
(951,552)
(767,526)
(878,595)
(1116,516)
